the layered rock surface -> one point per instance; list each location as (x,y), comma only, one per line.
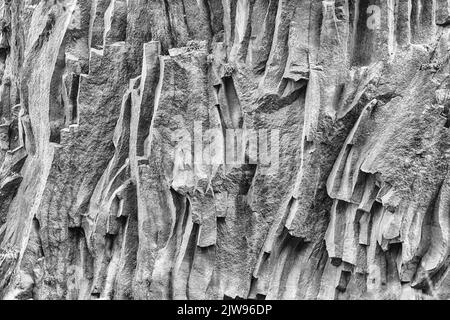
(105,192)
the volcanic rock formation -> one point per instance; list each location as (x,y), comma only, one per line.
(215,149)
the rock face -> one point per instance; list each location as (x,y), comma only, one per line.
(215,149)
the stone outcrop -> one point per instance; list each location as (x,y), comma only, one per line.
(216,149)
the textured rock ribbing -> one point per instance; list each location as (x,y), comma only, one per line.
(105,192)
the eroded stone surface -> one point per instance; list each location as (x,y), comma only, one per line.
(106,192)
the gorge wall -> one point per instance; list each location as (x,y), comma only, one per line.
(105,192)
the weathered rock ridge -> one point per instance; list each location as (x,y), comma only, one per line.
(105,192)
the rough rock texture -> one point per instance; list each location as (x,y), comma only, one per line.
(105,195)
